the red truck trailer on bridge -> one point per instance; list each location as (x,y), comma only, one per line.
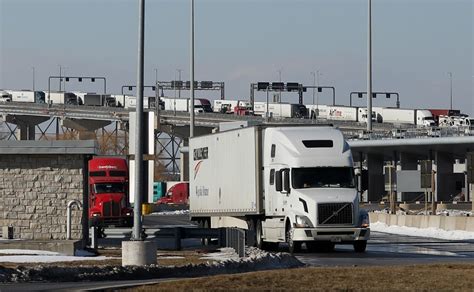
(108,192)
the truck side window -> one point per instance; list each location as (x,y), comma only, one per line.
(272,177)
(272,153)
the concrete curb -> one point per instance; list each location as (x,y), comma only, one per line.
(448,223)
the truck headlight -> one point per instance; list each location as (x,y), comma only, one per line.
(302,221)
(95,214)
(364,219)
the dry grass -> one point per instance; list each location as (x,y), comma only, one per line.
(439,277)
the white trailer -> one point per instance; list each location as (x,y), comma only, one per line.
(405,116)
(61,97)
(184,104)
(280,110)
(27,96)
(338,113)
(289,184)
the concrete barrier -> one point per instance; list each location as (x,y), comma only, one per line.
(448,223)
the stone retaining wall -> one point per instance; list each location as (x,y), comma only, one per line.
(35,190)
(421,221)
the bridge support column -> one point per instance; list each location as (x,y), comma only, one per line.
(184,161)
(86,128)
(408,162)
(444,178)
(26,125)
(376,178)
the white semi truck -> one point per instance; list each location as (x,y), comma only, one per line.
(61,97)
(27,96)
(292,184)
(280,110)
(422,118)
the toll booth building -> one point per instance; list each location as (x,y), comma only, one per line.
(38,179)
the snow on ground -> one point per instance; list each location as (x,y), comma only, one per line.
(449,212)
(224,254)
(177,212)
(27,251)
(422,232)
(42,256)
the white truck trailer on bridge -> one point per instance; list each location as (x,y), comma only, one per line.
(280,110)
(422,118)
(61,97)
(289,184)
(27,96)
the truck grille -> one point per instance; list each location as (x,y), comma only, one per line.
(335,213)
(111,208)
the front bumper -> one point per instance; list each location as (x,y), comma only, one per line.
(336,235)
(111,221)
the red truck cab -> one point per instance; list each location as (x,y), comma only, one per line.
(108,192)
(176,195)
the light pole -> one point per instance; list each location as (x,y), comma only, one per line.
(137,222)
(279,78)
(60,78)
(179,78)
(314,89)
(33,68)
(369,67)
(450,74)
(191,74)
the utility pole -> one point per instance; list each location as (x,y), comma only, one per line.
(33,77)
(369,68)
(450,74)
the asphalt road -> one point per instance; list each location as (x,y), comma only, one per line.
(383,249)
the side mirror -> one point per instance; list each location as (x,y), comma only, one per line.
(286,180)
(278,181)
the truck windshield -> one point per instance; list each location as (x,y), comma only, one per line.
(322,177)
(109,188)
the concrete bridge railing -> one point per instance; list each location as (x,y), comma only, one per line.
(448,223)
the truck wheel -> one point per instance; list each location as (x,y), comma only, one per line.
(259,234)
(293,246)
(206,224)
(360,245)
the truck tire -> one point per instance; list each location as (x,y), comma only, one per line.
(259,234)
(293,246)
(206,224)
(360,245)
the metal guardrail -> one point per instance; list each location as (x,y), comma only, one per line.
(227,237)
(352,130)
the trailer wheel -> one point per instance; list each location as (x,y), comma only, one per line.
(205,224)
(360,245)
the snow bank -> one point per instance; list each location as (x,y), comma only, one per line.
(177,212)
(422,232)
(254,260)
(43,256)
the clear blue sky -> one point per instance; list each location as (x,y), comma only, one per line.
(415,44)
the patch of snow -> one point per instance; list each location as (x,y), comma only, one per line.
(224,254)
(47,258)
(27,252)
(422,232)
(451,212)
(177,212)
(170,257)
